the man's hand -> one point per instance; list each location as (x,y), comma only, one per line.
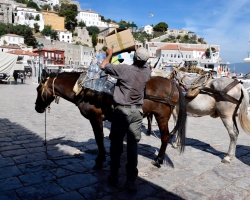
(109,52)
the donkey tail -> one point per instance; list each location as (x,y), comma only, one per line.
(180,127)
(243,115)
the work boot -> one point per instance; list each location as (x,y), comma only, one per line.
(112,180)
(131,186)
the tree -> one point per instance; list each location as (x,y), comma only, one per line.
(32,4)
(46,7)
(47,30)
(94,39)
(81,24)
(56,8)
(54,35)
(93,30)
(207,52)
(36,27)
(37,18)
(123,23)
(160,27)
(69,12)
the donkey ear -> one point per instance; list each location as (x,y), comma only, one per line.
(44,75)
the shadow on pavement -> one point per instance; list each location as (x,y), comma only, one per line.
(26,172)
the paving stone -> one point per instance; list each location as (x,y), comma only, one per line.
(9,171)
(40,191)
(29,158)
(10,184)
(11,147)
(69,195)
(8,195)
(77,181)
(36,166)
(12,153)
(6,162)
(37,177)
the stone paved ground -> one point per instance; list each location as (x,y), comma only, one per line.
(66,173)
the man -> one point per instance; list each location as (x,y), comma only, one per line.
(127,116)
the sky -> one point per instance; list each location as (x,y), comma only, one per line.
(219,22)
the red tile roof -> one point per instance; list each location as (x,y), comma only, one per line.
(13,35)
(175,47)
(22,52)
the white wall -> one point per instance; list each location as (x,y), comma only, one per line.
(20,17)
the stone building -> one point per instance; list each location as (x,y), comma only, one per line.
(6,13)
(75,55)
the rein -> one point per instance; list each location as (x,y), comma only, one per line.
(45,88)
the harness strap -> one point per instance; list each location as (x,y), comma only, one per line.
(223,93)
(53,89)
(162,99)
(44,87)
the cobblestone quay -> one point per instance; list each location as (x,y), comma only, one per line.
(26,172)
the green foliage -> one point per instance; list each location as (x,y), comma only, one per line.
(32,4)
(201,41)
(37,18)
(46,7)
(21,30)
(81,24)
(85,45)
(69,12)
(48,31)
(160,27)
(75,34)
(142,36)
(56,8)
(54,35)
(21,1)
(123,23)
(207,52)
(94,39)
(178,37)
(93,30)
(36,28)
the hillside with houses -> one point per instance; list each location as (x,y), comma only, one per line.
(71,35)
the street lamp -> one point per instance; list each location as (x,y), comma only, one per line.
(132,27)
(39,48)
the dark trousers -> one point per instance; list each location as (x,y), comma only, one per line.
(125,121)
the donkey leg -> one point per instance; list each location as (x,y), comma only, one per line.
(97,126)
(149,118)
(163,127)
(175,139)
(233,134)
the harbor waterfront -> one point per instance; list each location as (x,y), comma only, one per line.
(63,168)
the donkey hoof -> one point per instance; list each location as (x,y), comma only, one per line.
(148,133)
(97,167)
(155,163)
(226,159)
(175,145)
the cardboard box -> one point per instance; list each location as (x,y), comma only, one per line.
(121,39)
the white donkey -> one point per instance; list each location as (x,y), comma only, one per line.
(220,97)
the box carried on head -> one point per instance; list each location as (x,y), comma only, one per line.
(121,40)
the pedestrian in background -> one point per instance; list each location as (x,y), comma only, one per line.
(21,77)
(127,116)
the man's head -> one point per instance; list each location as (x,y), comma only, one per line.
(141,56)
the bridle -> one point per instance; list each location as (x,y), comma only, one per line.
(45,91)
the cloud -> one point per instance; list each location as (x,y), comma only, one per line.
(226,25)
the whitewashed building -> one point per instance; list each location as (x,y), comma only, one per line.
(47,2)
(65,36)
(91,18)
(28,16)
(11,39)
(148,29)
